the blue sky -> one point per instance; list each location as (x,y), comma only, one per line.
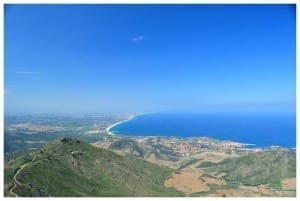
(149,58)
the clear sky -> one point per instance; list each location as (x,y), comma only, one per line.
(149,58)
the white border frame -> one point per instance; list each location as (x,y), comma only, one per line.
(146,2)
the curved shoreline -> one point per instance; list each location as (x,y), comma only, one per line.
(244,144)
(120,122)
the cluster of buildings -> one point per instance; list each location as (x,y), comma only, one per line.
(190,146)
(35,127)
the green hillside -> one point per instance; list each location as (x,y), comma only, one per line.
(129,146)
(69,167)
(268,167)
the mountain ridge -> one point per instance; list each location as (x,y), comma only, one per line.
(70,167)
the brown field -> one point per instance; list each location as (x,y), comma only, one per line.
(261,190)
(187,181)
(289,184)
(164,163)
(213,156)
(233,193)
(213,180)
(289,187)
(192,180)
(102,144)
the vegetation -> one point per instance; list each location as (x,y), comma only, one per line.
(22,141)
(70,167)
(268,167)
(42,129)
(188,163)
(129,144)
(206,164)
(132,148)
(164,153)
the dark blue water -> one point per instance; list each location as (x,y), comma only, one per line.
(253,128)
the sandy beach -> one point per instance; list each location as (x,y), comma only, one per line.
(120,122)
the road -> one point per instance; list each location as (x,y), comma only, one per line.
(16,182)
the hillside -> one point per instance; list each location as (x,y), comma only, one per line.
(128,146)
(211,171)
(70,167)
(265,168)
(147,150)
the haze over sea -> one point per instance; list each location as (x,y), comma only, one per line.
(261,129)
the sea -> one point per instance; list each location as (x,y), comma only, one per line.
(257,129)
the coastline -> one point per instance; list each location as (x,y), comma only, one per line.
(245,145)
(117,123)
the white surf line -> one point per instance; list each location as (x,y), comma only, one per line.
(120,122)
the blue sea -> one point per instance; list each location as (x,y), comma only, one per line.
(263,130)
